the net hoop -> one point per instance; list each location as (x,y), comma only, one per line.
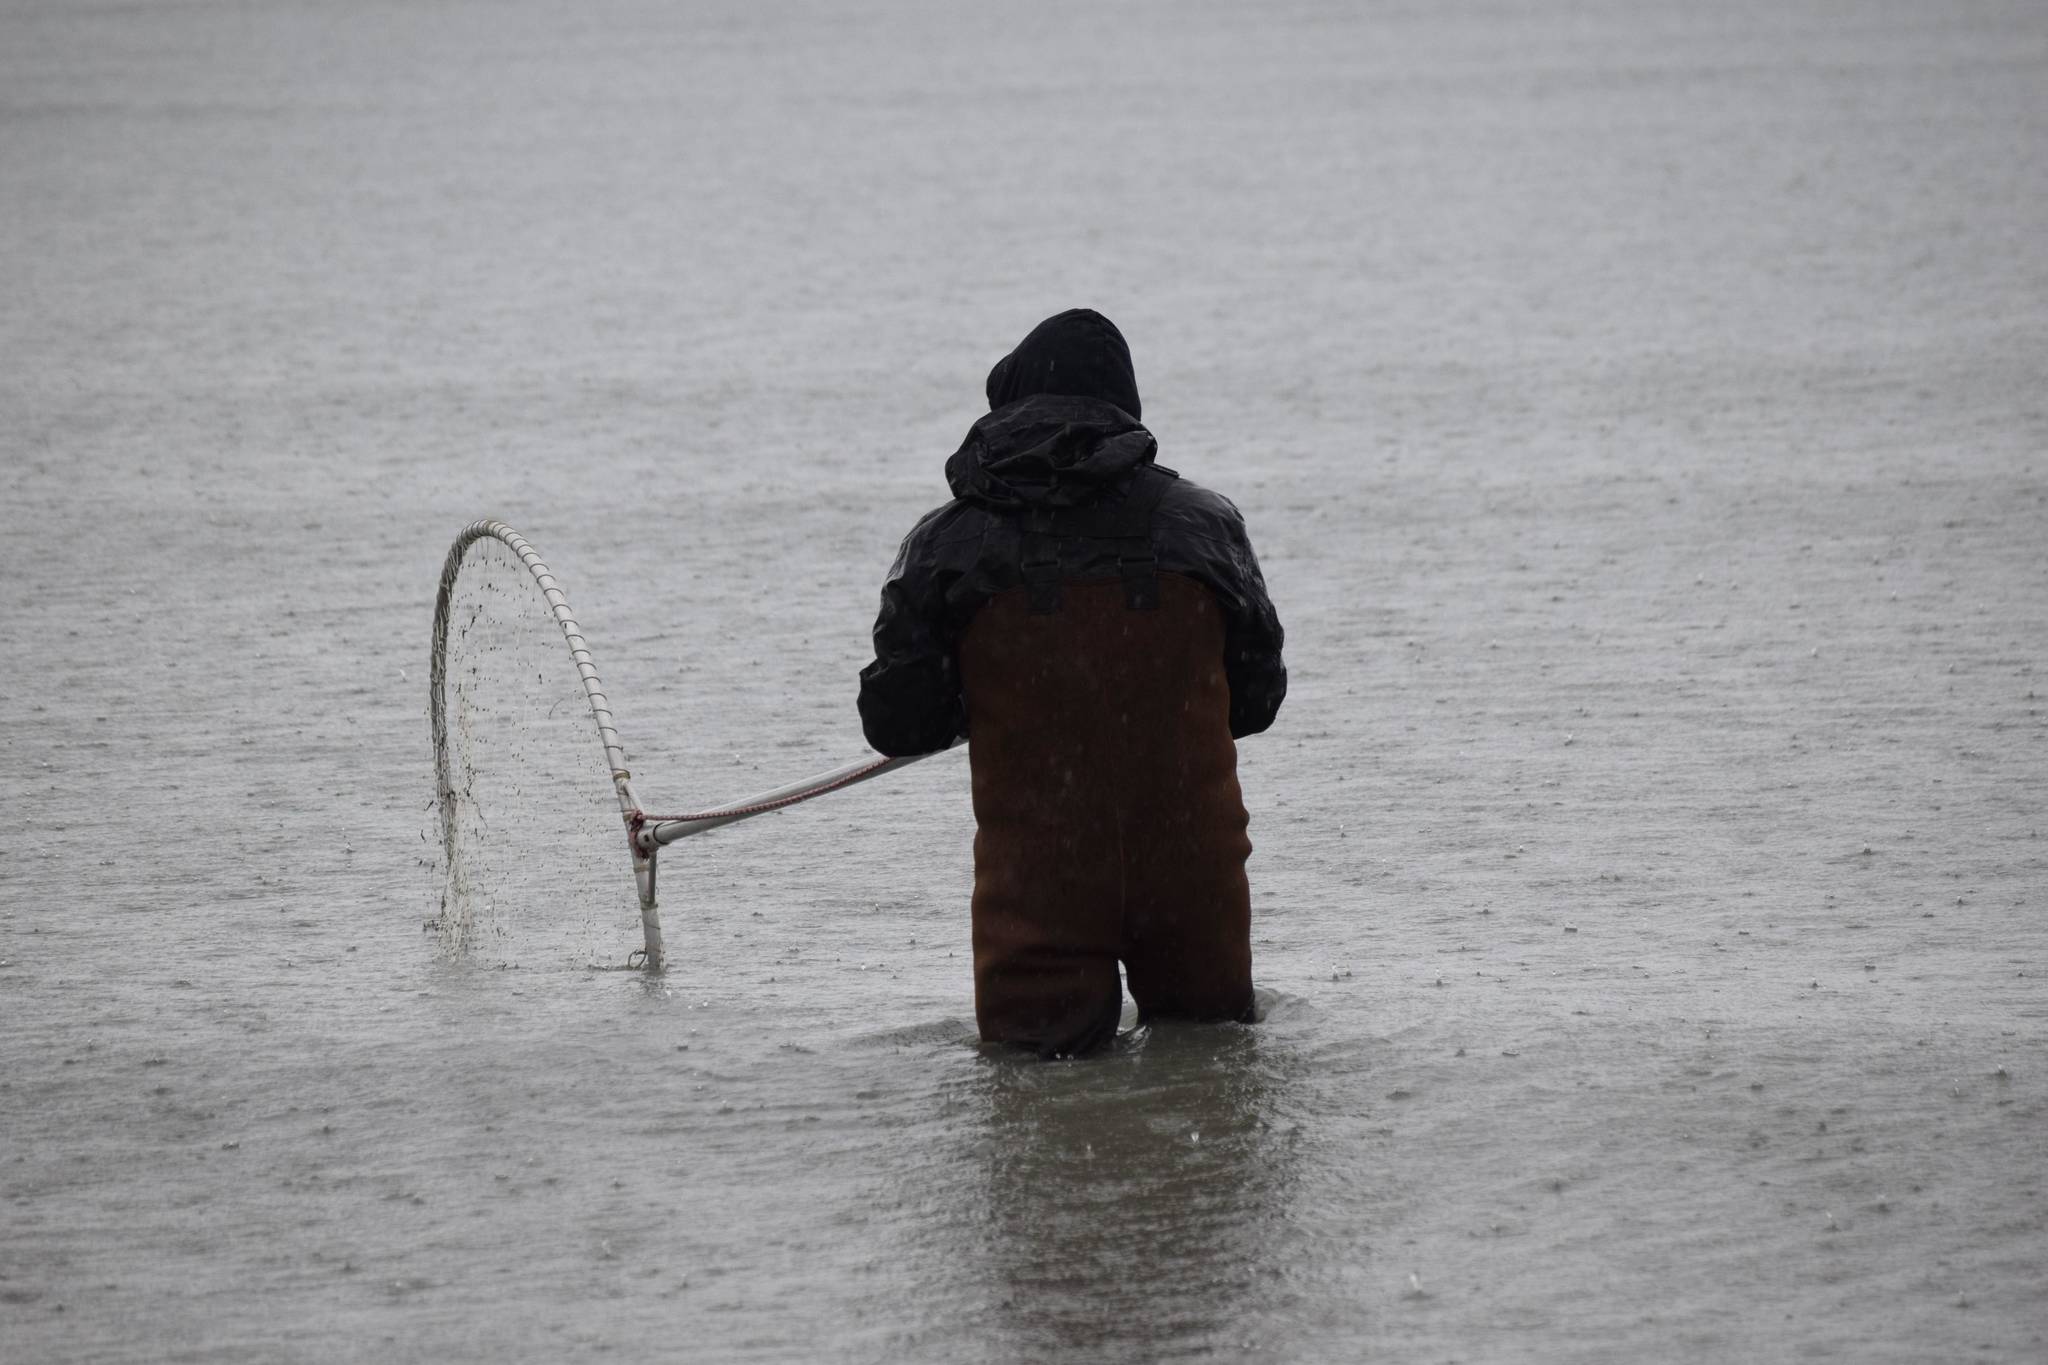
(593,691)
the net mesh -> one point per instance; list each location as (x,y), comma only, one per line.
(534,866)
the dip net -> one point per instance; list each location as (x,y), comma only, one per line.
(531,780)
(534,866)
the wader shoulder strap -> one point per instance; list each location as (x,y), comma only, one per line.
(1134,558)
(1040,567)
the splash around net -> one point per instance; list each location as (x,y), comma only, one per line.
(646,834)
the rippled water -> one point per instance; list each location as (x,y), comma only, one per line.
(1638,411)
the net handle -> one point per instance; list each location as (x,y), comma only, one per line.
(651,832)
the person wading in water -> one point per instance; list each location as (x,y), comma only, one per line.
(1098,627)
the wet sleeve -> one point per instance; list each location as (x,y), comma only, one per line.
(910,695)
(1252,638)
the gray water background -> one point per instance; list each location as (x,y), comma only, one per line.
(1639,411)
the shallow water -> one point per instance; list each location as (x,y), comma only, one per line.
(1638,411)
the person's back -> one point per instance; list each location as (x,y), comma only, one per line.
(1099,629)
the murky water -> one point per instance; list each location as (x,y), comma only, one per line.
(1638,409)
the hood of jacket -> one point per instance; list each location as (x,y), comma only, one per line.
(1079,353)
(1048,450)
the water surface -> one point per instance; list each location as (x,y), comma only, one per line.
(1638,412)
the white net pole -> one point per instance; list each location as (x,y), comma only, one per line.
(655,830)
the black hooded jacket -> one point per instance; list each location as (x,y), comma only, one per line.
(1064,433)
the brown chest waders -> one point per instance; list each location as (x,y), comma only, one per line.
(1109,824)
